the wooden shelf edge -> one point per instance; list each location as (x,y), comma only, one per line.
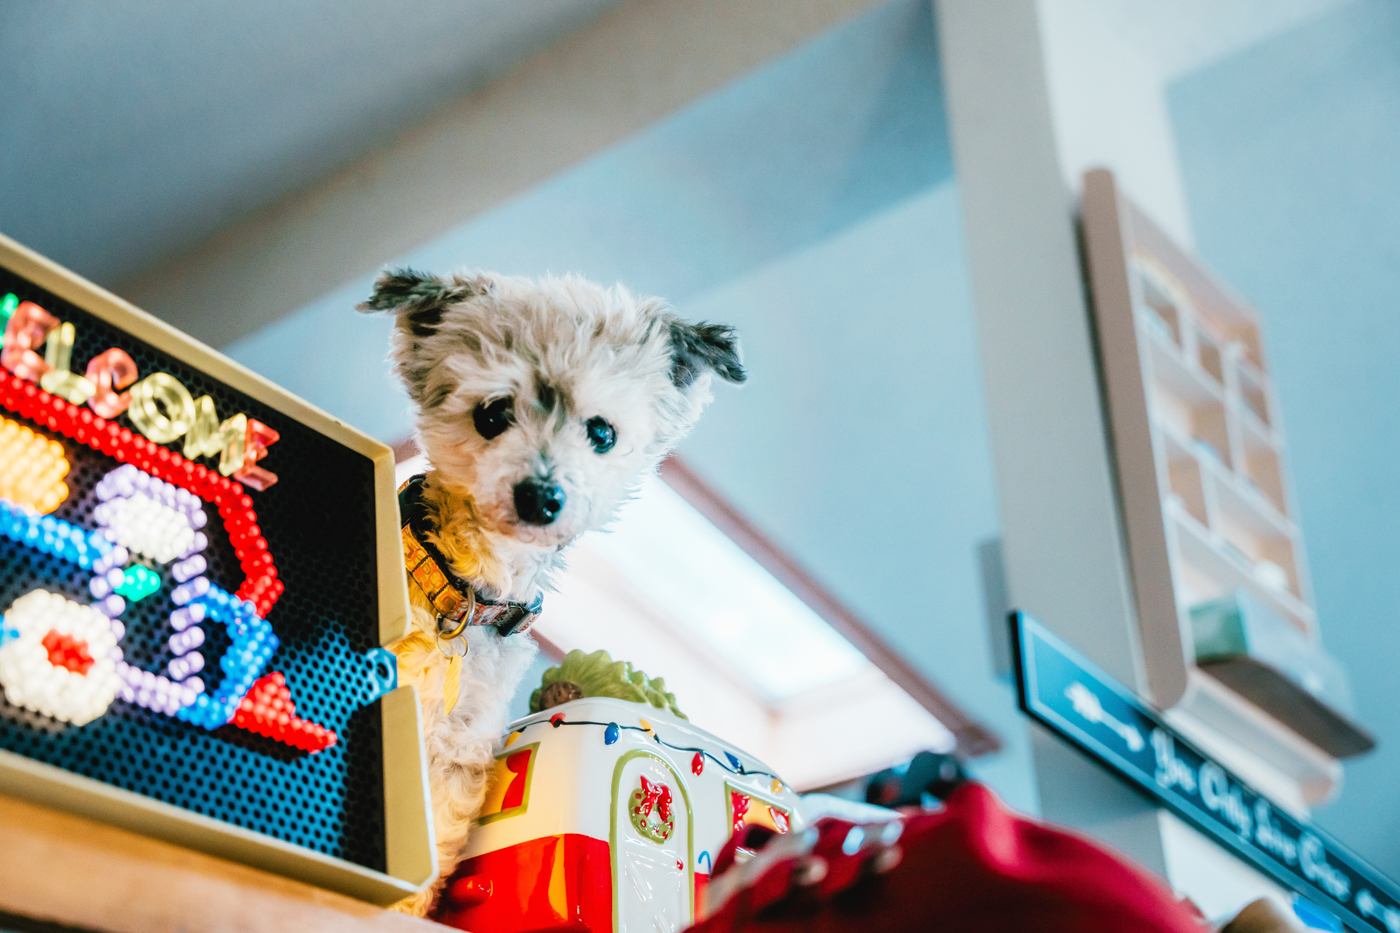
(66,869)
(1210,703)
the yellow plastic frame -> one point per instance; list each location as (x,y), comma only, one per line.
(410,852)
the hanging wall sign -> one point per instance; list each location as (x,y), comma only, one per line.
(1063,690)
(198,572)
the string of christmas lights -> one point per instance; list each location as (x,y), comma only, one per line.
(611,731)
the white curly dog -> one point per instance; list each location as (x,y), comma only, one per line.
(540,405)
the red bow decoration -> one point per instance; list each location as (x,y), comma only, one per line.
(658,795)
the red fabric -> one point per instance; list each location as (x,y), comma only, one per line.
(972,866)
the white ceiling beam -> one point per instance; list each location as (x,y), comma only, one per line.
(629,68)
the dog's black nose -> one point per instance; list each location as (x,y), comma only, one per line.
(538,502)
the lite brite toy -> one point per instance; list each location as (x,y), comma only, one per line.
(59,658)
(197,575)
(32,468)
(137,513)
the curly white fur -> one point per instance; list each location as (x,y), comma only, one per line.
(459,745)
(562,351)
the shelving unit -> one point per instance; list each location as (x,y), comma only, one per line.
(1202,467)
(1211,408)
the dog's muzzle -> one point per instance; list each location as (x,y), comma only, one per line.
(538,502)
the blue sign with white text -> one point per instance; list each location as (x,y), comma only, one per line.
(1067,693)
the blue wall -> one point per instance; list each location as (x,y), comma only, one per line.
(1291,155)
(841,128)
(812,204)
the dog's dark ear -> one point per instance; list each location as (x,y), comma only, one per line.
(418,298)
(698,347)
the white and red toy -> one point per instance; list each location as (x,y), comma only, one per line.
(605,815)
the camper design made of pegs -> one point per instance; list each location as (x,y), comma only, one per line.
(605,814)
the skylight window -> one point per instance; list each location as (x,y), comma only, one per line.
(747,657)
(717,594)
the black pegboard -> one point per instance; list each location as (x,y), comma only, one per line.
(319,522)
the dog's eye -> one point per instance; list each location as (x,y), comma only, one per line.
(601,434)
(493,417)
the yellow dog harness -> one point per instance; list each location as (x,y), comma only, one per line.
(454,600)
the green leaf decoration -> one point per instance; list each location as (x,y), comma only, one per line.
(598,675)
